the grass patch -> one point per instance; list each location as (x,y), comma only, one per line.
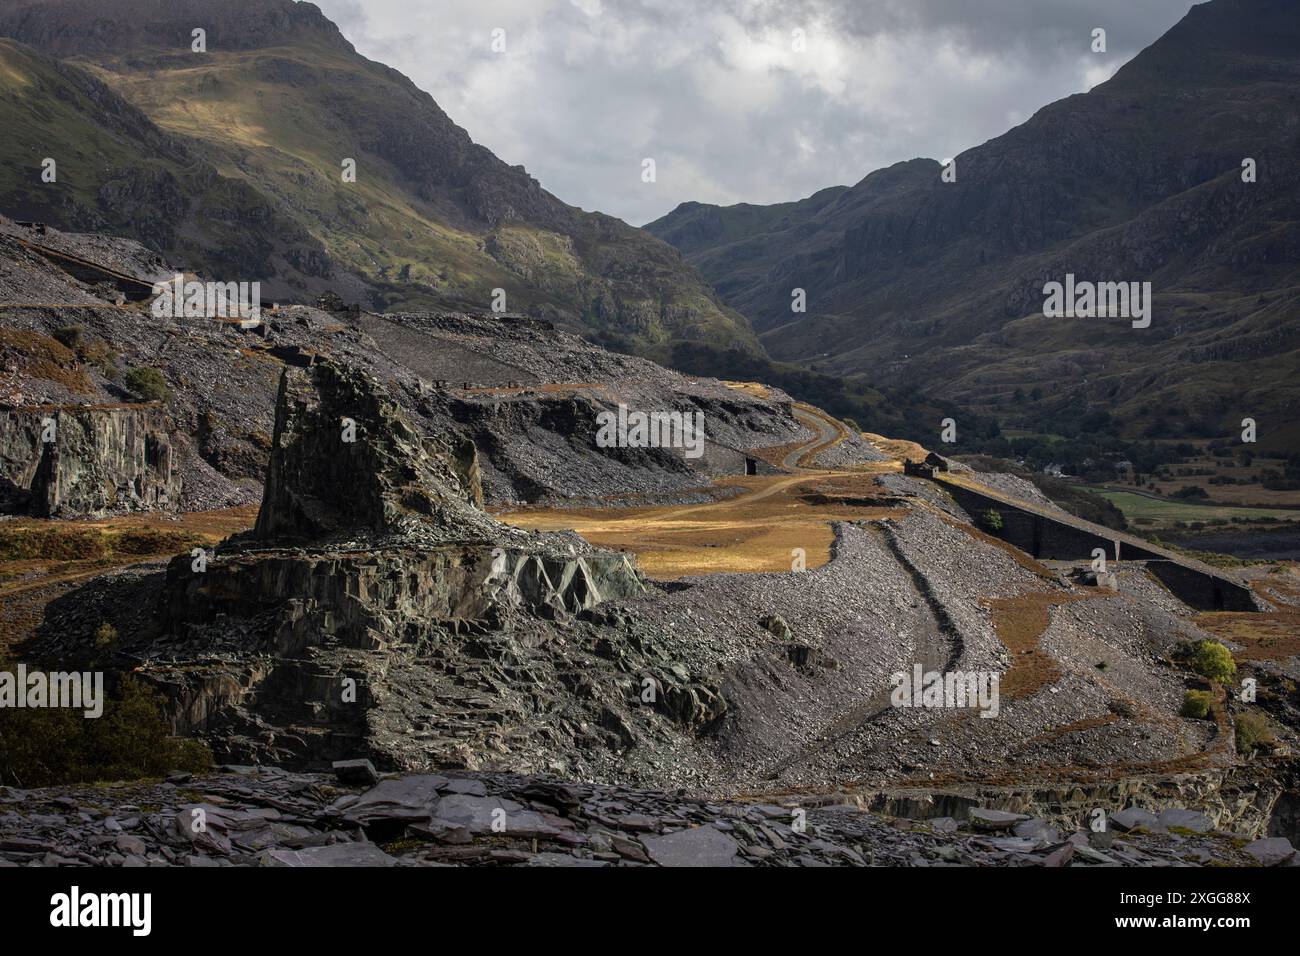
(40,356)
(1262,636)
(1167,514)
(753,533)
(1020,622)
(58,541)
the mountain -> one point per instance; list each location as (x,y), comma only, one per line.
(231,161)
(913,279)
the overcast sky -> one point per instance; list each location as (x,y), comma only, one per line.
(717,94)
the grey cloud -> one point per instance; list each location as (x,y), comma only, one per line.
(711,91)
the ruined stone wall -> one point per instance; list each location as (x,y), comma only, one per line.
(1073,539)
(1196,590)
(102,459)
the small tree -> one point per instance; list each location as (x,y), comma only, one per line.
(1211,659)
(991,520)
(1253,733)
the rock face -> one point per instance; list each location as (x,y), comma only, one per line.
(345,459)
(350,607)
(100,459)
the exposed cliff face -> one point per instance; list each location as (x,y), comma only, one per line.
(345,459)
(73,462)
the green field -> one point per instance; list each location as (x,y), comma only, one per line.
(1166,513)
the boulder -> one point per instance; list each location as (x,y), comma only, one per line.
(1271,851)
(700,846)
(1130,818)
(993,820)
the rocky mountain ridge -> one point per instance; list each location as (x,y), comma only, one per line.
(1178,171)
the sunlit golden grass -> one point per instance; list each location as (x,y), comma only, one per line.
(37,555)
(896,448)
(1273,636)
(757,389)
(755,533)
(1020,622)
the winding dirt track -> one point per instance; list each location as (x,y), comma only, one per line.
(754,530)
(829,433)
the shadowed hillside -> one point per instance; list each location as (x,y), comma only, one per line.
(941,283)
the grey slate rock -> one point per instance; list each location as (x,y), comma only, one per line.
(700,846)
(991,820)
(1271,851)
(1130,818)
(356,772)
(337,854)
(409,799)
(1187,820)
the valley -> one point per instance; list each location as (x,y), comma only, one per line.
(507,534)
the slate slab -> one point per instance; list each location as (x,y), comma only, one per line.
(701,846)
(337,854)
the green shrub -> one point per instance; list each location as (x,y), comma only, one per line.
(991,520)
(130,741)
(1196,704)
(69,336)
(1253,732)
(149,384)
(100,356)
(105,636)
(1211,659)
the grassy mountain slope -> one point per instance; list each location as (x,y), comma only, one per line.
(279,101)
(117,172)
(914,279)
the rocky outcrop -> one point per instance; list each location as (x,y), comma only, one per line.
(345,459)
(373,588)
(86,461)
(367,599)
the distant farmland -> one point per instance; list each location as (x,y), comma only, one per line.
(1163,513)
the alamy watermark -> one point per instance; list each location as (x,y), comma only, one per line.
(1098,300)
(628,429)
(234,301)
(36,689)
(961,690)
(74,909)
